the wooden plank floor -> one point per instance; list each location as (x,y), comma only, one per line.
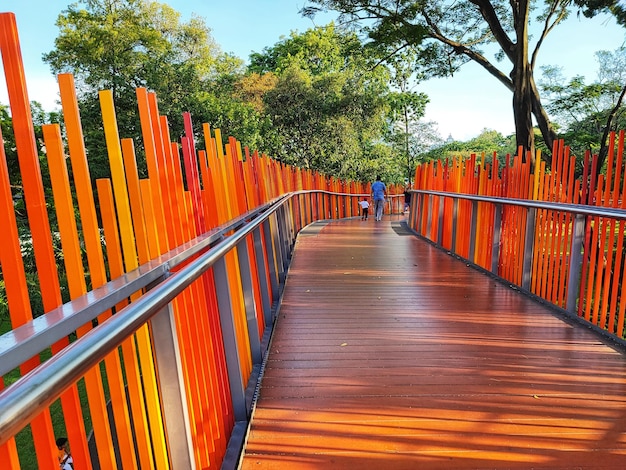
(390,354)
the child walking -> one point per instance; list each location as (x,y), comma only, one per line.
(365,206)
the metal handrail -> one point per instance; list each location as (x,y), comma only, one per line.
(423,217)
(30,394)
(22,343)
(583,209)
(26,398)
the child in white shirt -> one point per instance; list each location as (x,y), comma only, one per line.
(364,208)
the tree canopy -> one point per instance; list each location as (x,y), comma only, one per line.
(330,103)
(446,35)
(125,44)
(586,113)
(317,99)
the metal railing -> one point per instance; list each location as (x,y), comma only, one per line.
(555,248)
(272,229)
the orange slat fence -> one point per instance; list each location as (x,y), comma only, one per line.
(472,227)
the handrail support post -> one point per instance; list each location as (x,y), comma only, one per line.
(497,233)
(529,243)
(229,337)
(576,259)
(172,388)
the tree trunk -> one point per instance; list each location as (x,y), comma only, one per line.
(522,79)
(406,142)
(524,135)
(543,121)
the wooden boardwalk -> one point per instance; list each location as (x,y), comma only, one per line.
(390,354)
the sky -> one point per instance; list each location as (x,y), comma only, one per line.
(462,106)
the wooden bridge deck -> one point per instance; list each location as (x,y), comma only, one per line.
(390,354)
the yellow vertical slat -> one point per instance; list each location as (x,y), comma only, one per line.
(127,236)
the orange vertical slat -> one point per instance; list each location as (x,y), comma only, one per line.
(586,267)
(596,257)
(13,274)
(618,316)
(76,279)
(28,158)
(152,162)
(95,258)
(128,349)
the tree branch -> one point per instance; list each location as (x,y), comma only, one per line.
(543,121)
(389,56)
(489,14)
(466,51)
(547,27)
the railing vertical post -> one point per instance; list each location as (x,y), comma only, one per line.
(310,198)
(415,212)
(497,233)
(299,212)
(473,228)
(284,235)
(247,286)
(288,226)
(576,259)
(172,388)
(292,233)
(328,206)
(440,222)
(455,211)
(285,223)
(429,220)
(341,201)
(278,245)
(229,337)
(278,251)
(261,274)
(529,241)
(272,256)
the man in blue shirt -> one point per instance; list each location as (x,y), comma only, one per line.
(379,191)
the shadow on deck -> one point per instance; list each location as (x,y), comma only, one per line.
(390,354)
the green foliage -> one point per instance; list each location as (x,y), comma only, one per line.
(319,51)
(487,142)
(317,99)
(5,323)
(125,44)
(329,103)
(442,36)
(584,112)
(407,134)
(591,8)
